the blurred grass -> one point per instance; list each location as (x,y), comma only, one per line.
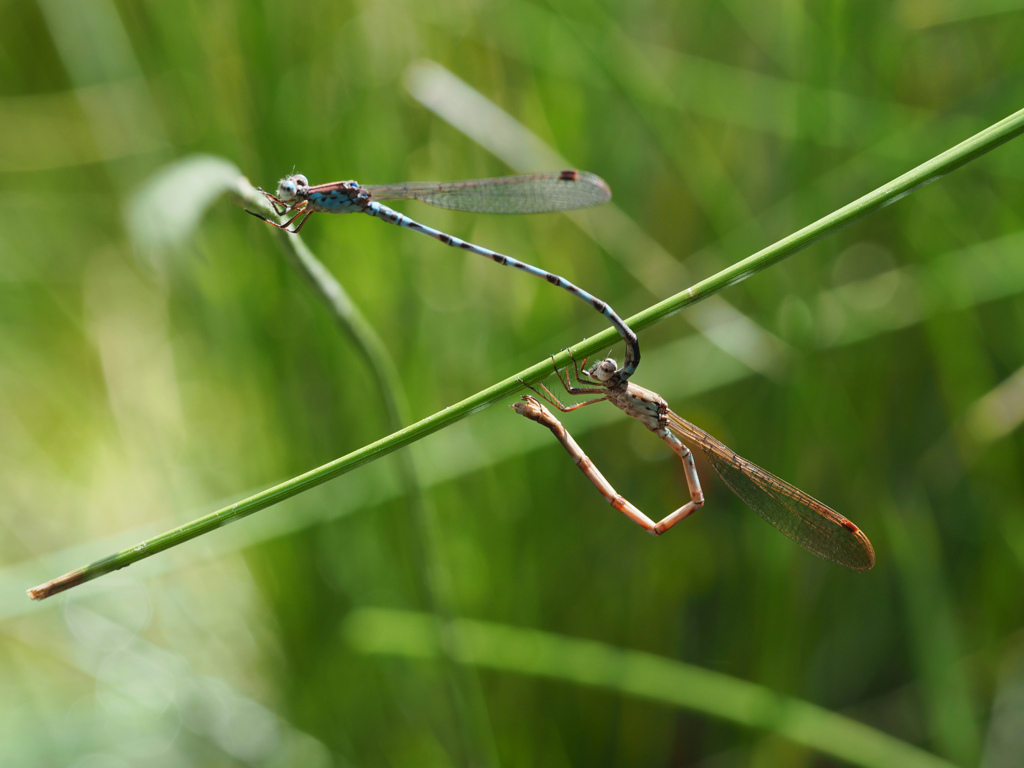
(586,663)
(134,398)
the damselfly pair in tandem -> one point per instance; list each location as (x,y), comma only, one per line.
(804,519)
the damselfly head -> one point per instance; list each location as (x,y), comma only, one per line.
(290,187)
(603,370)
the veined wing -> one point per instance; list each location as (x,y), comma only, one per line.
(811,524)
(531,193)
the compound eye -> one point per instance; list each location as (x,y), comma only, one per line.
(286,189)
(292,186)
(603,370)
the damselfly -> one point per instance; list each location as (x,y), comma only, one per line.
(532,193)
(804,519)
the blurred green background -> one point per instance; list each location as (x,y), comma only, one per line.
(881,370)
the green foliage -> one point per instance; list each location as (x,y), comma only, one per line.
(156,369)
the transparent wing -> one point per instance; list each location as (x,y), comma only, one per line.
(532,193)
(811,524)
